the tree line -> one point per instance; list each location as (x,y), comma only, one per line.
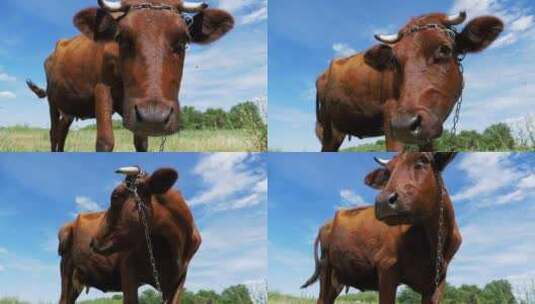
(497,137)
(495,292)
(241,116)
(238,294)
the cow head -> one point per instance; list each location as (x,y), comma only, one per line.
(122,228)
(411,187)
(425,54)
(149,42)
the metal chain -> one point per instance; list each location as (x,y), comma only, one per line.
(440,243)
(142,215)
(439,259)
(162,143)
(460,99)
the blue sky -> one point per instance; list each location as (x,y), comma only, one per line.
(227,72)
(305,35)
(227,193)
(494,201)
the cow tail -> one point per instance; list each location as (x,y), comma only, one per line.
(65,239)
(317,264)
(41,93)
(322,117)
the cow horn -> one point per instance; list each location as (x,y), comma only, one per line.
(388,39)
(456,19)
(129,171)
(193,7)
(380,161)
(111,6)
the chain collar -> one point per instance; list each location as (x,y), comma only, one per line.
(450,32)
(160,7)
(131,184)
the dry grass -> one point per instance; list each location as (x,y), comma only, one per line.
(24,139)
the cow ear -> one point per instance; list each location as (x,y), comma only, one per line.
(96,24)
(162,180)
(442,159)
(378,178)
(209,25)
(478,34)
(380,57)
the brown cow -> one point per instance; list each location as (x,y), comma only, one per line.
(108,250)
(405,88)
(129,61)
(395,242)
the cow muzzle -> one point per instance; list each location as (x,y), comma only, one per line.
(154,118)
(388,208)
(416,128)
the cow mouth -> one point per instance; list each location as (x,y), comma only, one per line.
(395,219)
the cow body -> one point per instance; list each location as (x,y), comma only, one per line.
(128,60)
(175,239)
(404,88)
(74,70)
(352,91)
(357,250)
(395,242)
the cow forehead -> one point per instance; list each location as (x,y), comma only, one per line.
(149,20)
(436,18)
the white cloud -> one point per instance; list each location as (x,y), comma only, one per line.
(7,95)
(3,250)
(523,23)
(343,50)
(246,11)
(350,198)
(256,16)
(2,268)
(6,77)
(86,204)
(494,179)
(230,183)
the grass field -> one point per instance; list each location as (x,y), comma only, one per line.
(26,139)
(361,298)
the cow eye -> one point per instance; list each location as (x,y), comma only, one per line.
(421,163)
(443,52)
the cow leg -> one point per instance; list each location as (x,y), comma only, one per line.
(54,121)
(69,293)
(436,296)
(103,113)
(175,293)
(330,142)
(141,143)
(64,124)
(328,287)
(129,284)
(387,287)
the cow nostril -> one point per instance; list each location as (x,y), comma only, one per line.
(415,125)
(392,199)
(415,122)
(139,117)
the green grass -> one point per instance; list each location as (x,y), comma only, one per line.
(359,298)
(27,139)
